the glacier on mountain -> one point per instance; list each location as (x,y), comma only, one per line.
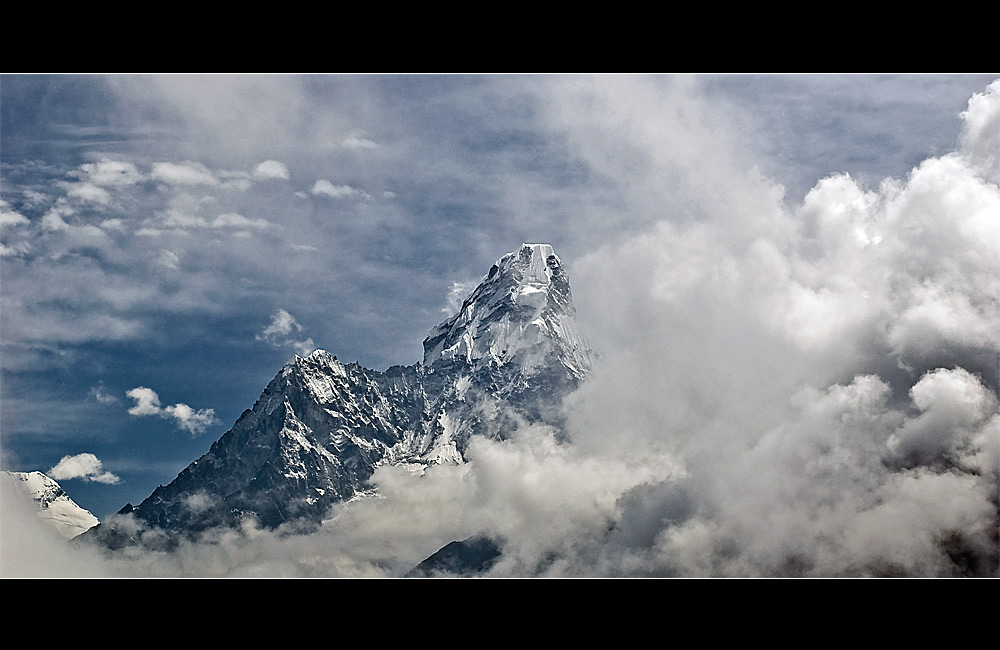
(321,427)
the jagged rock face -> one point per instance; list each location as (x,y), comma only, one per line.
(320,428)
(512,351)
(313,438)
(520,315)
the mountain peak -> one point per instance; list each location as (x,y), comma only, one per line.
(532,264)
(321,427)
(522,310)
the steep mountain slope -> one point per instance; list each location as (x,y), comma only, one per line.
(320,428)
(466,558)
(53,504)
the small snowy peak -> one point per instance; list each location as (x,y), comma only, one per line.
(53,504)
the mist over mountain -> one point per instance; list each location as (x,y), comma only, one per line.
(321,427)
(53,505)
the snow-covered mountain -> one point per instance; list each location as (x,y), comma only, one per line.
(53,504)
(321,427)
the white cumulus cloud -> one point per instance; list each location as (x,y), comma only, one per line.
(110,172)
(89,193)
(326,188)
(82,466)
(271,169)
(186,173)
(9,217)
(147,402)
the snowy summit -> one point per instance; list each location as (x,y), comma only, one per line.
(521,311)
(53,504)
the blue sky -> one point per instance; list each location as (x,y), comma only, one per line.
(170,241)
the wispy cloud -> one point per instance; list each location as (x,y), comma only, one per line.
(284,331)
(107,172)
(457,294)
(182,220)
(102,395)
(168,259)
(358,142)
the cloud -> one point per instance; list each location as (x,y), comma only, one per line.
(15,250)
(271,169)
(53,220)
(147,402)
(9,217)
(326,188)
(957,415)
(89,193)
(234,220)
(113,224)
(791,382)
(12,219)
(180,219)
(168,259)
(282,332)
(101,394)
(186,173)
(107,172)
(75,232)
(358,142)
(195,422)
(282,324)
(31,548)
(82,466)
(982,130)
(457,294)
(769,359)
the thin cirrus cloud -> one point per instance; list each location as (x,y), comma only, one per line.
(147,403)
(358,142)
(182,220)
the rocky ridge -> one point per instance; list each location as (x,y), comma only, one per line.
(321,427)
